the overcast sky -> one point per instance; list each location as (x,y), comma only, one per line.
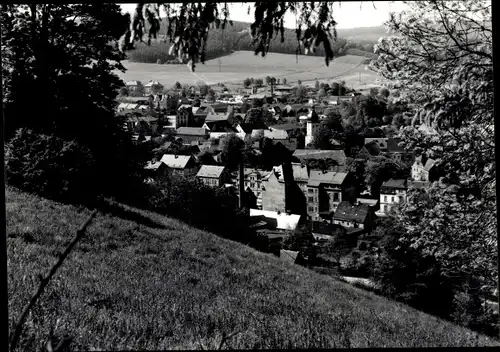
(347,14)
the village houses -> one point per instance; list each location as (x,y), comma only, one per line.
(213,176)
(392,194)
(179,165)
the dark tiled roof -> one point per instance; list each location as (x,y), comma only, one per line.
(356,213)
(317,177)
(392,183)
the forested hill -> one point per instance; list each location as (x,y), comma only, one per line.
(360,41)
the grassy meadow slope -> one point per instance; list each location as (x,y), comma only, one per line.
(241,64)
(142,281)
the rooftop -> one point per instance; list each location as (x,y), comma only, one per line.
(176,161)
(211,117)
(192,131)
(350,212)
(211,171)
(317,177)
(395,183)
(150,84)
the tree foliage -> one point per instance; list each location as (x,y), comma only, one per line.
(232,148)
(440,56)
(68,54)
(188,27)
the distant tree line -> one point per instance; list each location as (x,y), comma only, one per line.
(236,37)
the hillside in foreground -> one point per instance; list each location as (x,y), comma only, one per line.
(142,281)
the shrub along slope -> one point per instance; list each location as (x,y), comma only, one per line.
(142,281)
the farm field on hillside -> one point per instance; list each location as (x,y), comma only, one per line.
(141,281)
(241,64)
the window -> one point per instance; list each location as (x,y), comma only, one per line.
(310,199)
(310,209)
(252,185)
(310,190)
(385,198)
(335,196)
(392,199)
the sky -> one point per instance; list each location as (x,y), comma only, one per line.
(346,14)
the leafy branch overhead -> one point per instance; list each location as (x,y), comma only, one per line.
(188,25)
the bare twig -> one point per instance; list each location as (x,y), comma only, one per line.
(45,281)
(225,338)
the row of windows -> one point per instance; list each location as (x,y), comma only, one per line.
(399,198)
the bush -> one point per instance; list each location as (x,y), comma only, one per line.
(210,209)
(51,167)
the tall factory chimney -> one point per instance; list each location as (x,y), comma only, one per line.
(288,179)
(241,184)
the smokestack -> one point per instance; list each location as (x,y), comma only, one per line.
(241,183)
(286,169)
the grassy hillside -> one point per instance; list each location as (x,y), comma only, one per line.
(241,64)
(142,281)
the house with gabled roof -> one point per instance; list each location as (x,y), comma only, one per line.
(325,191)
(215,117)
(179,165)
(423,169)
(190,134)
(357,215)
(253,182)
(184,115)
(155,169)
(133,86)
(148,87)
(213,176)
(392,193)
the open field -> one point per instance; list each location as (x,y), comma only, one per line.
(139,280)
(241,64)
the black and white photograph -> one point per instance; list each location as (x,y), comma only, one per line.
(249,175)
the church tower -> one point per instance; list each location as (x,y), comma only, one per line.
(312,126)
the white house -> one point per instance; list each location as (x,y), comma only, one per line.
(421,171)
(392,194)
